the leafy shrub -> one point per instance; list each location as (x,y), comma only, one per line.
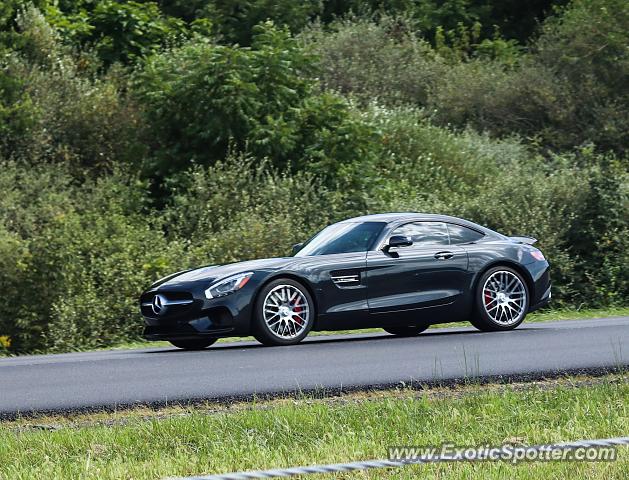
(515,19)
(126,31)
(16,109)
(9,9)
(236,21)
(242,210)
(202,99)
(74,259)
(88,123)
(383,60)
(488,97)
(59,111)
(89,250)
(202,96)
(598,237)
(105,258)
(570,91)
(118,31)
(587,48)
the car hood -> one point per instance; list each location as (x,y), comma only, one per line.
(216,272)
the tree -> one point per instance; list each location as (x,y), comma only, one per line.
(203,99)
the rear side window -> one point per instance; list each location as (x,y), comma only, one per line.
(459,234)
(424,233)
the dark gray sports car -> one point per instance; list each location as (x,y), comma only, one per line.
(399,271)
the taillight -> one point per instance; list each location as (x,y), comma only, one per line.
(537,255)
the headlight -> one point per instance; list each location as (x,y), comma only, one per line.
(228,285)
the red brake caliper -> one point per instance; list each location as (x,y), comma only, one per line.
(298,311)
(487,298)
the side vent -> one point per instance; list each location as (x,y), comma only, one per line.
(345,279)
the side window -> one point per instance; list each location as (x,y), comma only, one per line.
(459,234)
(424,233)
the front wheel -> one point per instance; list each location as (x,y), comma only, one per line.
(284,313)
(502,300)
(195,344)
(406,331)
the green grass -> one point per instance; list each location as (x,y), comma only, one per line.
(577,314)
(540,316)
(148,445)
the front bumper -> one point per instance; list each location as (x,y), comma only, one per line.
(193,315)
(183,329)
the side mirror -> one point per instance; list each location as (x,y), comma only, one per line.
(297,247)
(396,241)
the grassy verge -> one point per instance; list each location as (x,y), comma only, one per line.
(144,444)
(541,316)
(577,314)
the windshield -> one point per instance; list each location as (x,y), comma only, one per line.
(342,238)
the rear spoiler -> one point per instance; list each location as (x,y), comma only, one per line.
(524,239)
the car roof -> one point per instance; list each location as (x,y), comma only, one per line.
(416,216)
(403,216)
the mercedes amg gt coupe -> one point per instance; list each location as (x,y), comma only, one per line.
(401,272)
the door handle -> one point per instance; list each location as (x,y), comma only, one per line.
(444,255)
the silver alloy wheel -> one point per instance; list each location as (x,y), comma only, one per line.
(286,311)
(504,297)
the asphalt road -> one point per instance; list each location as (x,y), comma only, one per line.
(110,379)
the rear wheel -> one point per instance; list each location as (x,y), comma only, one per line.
(502,300)
(405,330)
(195,344)
(284,313)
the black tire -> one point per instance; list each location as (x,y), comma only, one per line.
(406,330)
(267,335)
(481,318)
(194,344)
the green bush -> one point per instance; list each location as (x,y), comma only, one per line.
(59,110)
(17,113)
(236,21)
(105,258)
(9,10)
(74,259)
(383,60)
(242,209)
(516,19)
(126,31)
(569,91)
(598,237)
(117,31)
(587,48)
(490,98)
(203,99)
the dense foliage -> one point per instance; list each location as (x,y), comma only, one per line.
(141,138)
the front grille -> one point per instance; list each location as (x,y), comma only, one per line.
(169,304)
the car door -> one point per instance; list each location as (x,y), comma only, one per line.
(335,263)
(428,273)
